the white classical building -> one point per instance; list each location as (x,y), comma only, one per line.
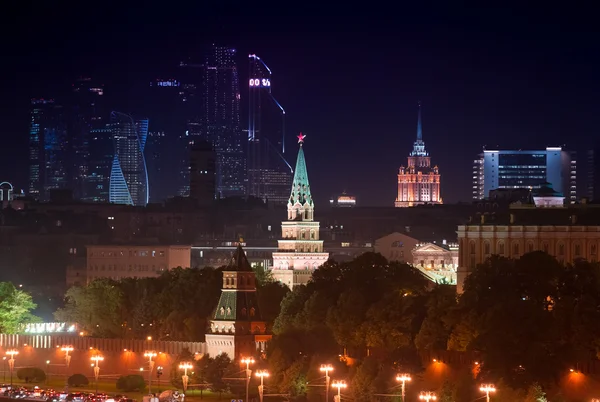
(300,251)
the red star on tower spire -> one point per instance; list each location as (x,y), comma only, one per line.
(301,138)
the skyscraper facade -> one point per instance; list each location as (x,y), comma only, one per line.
(528,169)
(48,149)
(300,251)
(101,155)
(269,174)
(419,182)
(220,124)
(86,113)
(202,173)
(129,176)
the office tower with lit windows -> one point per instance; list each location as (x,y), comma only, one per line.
(418,182)
(85,113)
(48,149)
(220,123)
(129,176)
(101,155)
(269,174)
(525,169)
(592,177)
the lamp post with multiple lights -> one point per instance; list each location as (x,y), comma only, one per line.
(487,388)
(403,378)
(11,363)
(262,374)
(184,378)
(247,361)
(97,359)
(150,354)
(427,396)
(67,349)
(326,368)
(339,385)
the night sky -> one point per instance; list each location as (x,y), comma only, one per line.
(514,78)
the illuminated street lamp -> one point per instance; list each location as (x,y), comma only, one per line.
(403,378)
(427,396)
(11,362)
(185,366)
(326,368)
(339,385)
(150,354)
(67,349)
(262,374)
(247,361)
(487,388)
(96,359)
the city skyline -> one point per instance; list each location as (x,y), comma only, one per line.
(519,88)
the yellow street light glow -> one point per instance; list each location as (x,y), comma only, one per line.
(186,366)
(326,368)
(427,396)
(97,358)
(403,377)
(67,348)
(12,353)
(487,388)
(339,384)
(262,373)
(150,354)
(248,360)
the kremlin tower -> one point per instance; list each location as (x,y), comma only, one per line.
(300,251)
(418,183)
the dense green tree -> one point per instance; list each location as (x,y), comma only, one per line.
(95,307)
(293,380)
(215,373)
(369,379)
(535,393)
(270,295)
(15,308)
(436,327)
(446,392)
(185,356)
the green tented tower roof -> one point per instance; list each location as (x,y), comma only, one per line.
(300,186)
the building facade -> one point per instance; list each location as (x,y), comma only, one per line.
(567,233)
(396,247)
(202,173)
(145,261)
(237,327)
(128,176)
(300,251)
(510,169)
(269,173)
(418,182)
(438,262)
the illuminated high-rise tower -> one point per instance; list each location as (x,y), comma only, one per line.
(48,149)
(418,183)
(128,176)
(269,174)
(300,251)
(220,124)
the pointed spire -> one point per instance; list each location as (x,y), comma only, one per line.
(239,261)
(300,186)
(419,130)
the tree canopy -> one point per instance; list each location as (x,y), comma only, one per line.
(15,308)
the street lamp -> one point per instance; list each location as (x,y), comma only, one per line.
(4,371)
(248,361)
(487,388)
(150,354)
(159,372)
(427,396)
(339,385)
(403,378)
(326,368)
(262,374)
(67,349)
(185,366)
(11,362)
(47,371)
(96,359)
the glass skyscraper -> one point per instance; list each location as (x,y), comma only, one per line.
(221,120)
(48,149)
(128,176)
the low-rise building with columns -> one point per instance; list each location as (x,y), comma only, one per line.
(567,233)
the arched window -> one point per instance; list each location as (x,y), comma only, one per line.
(577,248)
(312,234)
(561,249)
(486,248)
(252,312)
(228,311)
(222,311)
(501,248)
(472,247)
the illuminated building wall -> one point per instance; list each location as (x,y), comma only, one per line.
(418,182)
(128,177)
(515,169)
(101,154)
(269,173)
(118,262)
(343,201)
